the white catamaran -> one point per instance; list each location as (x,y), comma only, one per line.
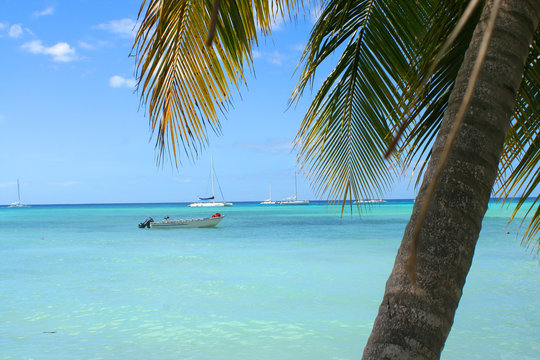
(269,200)
(18,203)
(293,200)
(211,200)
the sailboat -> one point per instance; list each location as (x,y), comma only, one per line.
(18,203)
(293,200)
(211,200)
(269,200)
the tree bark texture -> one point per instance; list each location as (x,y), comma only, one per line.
(413,323)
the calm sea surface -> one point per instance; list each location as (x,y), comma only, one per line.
(269,283)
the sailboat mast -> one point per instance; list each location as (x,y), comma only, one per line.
(295,187)
(270,190)
(18,190)
(212,176)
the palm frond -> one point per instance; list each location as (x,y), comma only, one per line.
(185,84)
(345,131)
(423,107)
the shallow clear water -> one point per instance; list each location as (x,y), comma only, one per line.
(270,282)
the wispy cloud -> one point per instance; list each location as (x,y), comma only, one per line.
(117,81)
(183,180)
(122,27)
(60,52)
(15,31)
(64,183)
(8,184)
(86,45)
(276,57)
(93,44)
(275,146)
(49,10)
(277,24)
(299,47)
(316,13)
(29,31)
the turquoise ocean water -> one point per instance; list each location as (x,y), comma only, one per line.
(270,282)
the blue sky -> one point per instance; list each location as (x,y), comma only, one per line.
(73,130)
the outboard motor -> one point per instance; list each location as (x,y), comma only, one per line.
(146,223)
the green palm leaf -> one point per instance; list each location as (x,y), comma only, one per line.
(345,131)
(423,107)
(186,85)
(386,51)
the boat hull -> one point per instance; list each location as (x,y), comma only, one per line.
(210,204)
(370,201)
(17,205)
(294,202)
(187,223)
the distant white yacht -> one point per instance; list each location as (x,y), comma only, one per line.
(211,200)
(18,203)
(369,201)
(269,200)
(293,200)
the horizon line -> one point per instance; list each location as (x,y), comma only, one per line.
(233,201)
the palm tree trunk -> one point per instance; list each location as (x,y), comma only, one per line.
(414,323)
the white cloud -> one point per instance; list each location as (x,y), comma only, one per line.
(122,27)
(29,31)
(277,24)
(183,180)
(86,45)
(8,184)
(276,58)
(92,45)
(275,146)
(49,10)
(299,47)
(15,31)
(118,82)
(65,183)
(316,13)
(60,52)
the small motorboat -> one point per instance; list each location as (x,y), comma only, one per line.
(167,223)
